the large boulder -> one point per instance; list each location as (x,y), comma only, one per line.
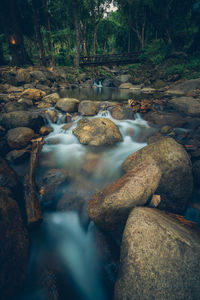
(21,119)
(161,119)
(33,94)
(14,106)
(160,258)
(88,108)
(19,137)
(97,132)
(14,250)
(52,98)
(186,105)
(110,208)
(68,104)
(176,184)
(185,87)
(119,112)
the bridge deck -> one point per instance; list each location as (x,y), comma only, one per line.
(106,59)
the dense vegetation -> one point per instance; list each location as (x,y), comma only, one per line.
(58,31)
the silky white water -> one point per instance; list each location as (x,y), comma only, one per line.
(69,241)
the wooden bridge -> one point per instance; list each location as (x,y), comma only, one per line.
(112,59)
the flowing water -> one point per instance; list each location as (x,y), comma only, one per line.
(63,239)
(66,241)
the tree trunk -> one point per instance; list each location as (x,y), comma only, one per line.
(94,39)
(48,26)
(2,61)
(84,40)
(10,22)
(77,31)
(38,33)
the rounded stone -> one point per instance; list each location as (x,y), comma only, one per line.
(160,257)
(19,137)
(88,108)
(176,184)
(97,132)
(68,104)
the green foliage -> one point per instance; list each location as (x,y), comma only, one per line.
(175,69)
(155,52)
(189,69)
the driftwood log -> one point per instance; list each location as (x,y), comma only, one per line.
(32,202)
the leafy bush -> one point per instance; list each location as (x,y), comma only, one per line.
(175,69)
(155,52)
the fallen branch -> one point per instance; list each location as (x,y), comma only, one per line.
(32,203)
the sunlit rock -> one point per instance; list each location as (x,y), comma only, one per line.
(97,132)
(33,94)
(68,104)
(52,98)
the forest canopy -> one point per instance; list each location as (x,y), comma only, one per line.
(46,32)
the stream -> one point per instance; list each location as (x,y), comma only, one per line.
(66,240)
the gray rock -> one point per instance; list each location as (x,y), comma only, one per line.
(161,119)
(109,208)
(97,132)
(21,119)
(52,98)
(187,105)
(68,104)
(19,137)
(184,87)
(17,156)
(121,112)
(176,184)
(38,75)
(160,258)
(14,106)
(88,108)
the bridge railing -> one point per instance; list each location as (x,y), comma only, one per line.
(110,58)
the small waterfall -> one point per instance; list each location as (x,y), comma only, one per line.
(97,84)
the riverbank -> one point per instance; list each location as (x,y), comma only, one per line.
(106,158)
